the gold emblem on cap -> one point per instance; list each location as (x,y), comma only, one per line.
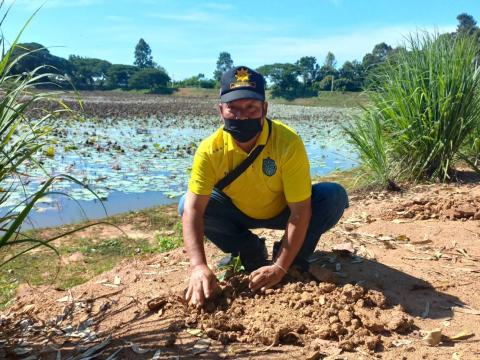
(242,75)
(242,79)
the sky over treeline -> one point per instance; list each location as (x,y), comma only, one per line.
(186,36)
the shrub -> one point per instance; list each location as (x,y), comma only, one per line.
(154,80)
(424,110)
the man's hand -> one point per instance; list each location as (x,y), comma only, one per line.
(202,285)
(265,277)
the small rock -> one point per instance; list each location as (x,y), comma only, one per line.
(314,355)
(212,333)
(466,211)
(75,257)
(322,274)
(156,304)
(433,337)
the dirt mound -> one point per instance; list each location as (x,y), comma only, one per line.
(296,313)
(454,206)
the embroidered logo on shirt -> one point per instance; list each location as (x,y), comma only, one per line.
(269,167)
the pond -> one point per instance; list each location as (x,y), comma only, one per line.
(133,164)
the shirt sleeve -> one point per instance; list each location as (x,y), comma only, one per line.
(202,178)
(297,184)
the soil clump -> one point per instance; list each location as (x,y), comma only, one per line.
(297,313)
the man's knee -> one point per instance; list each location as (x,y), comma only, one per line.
(340,195)
(330,194)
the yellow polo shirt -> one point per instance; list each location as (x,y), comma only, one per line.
(280,174)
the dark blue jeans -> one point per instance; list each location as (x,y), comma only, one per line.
(229,229)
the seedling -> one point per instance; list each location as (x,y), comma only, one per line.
(231,268)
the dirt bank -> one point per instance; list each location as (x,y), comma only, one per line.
(404,264)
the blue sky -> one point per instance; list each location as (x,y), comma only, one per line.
(186,36)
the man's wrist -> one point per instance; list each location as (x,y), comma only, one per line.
(280,267)
(195,265)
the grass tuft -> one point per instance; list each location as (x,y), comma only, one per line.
(424,109)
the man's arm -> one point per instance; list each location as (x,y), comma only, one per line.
(268,276)
(202,280)
(297,225)
(192,221)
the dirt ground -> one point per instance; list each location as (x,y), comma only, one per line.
(397,278)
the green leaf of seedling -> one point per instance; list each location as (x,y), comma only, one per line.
(237,265)
(231,268)
(223,275)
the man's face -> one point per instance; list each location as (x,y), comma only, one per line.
(243,109)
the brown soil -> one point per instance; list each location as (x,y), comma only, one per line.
(444,205)
(397,278)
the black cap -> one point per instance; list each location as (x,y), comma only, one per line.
(242,82)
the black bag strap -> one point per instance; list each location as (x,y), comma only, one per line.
(235,173)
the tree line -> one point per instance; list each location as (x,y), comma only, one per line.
(86,73)
(303,78)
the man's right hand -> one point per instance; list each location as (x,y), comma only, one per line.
(202,285)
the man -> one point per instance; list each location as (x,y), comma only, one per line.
(273,192)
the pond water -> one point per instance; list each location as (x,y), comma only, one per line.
(135,164)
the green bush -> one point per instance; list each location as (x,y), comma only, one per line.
(152,79)
(424,110)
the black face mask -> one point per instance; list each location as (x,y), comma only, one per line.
(243,130)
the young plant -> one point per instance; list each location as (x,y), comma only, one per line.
(231,268)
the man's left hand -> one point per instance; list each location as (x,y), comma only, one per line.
(265,277)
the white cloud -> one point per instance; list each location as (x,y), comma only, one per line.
(349,46)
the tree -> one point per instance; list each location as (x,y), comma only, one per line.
(224,63)
(88,72)
(308,70)
(143,55)
(330,61)
(328,67)
(327,74)
(38,56)
(284,79)
(377,56)
(118,75)
(197,81)
(466,24)
(372,61)
(351,76)
(381,51)
(155,80)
